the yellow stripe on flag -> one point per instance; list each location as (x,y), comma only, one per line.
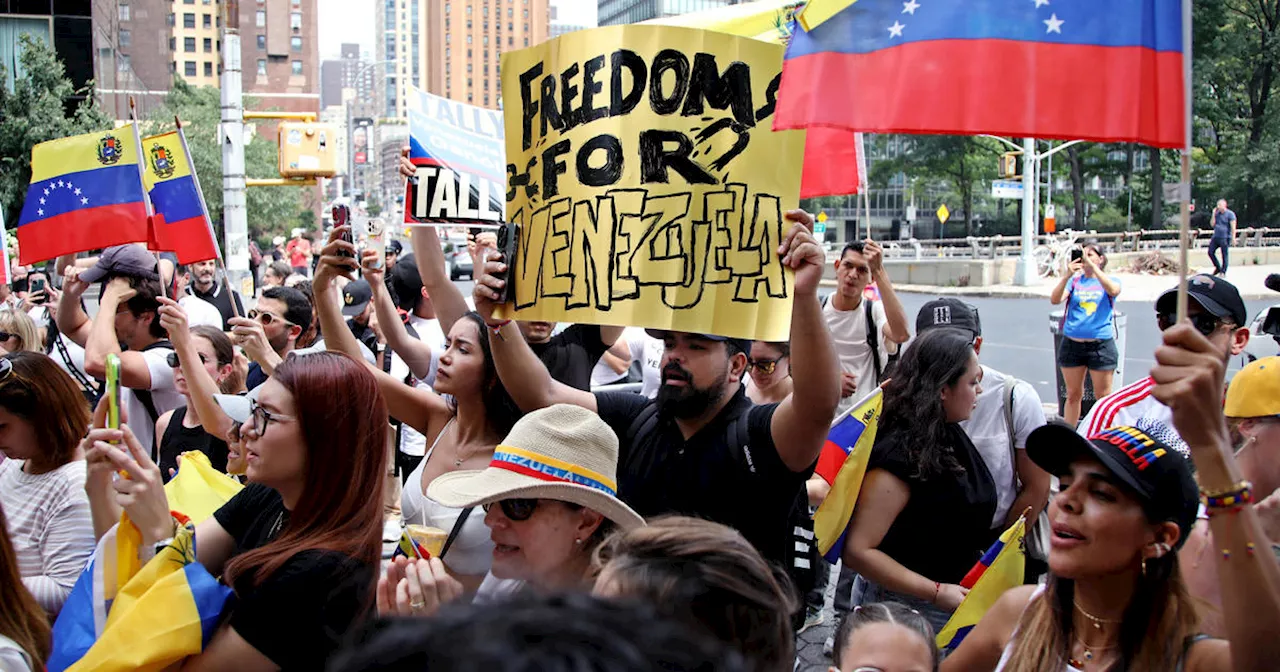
(79,153)
(836,510)
(164,158)
(766,20)
(1004,573)
(817,11)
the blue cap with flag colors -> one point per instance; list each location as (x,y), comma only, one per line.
(85,193)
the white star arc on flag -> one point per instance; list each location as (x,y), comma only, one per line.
(1041,3)
(84,201)
(1054,24)
(910,7)
(895,30)
(39,212)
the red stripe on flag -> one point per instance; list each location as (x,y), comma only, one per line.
(188,238)
(963,87)
(830,163)
(82,230)
(830,460)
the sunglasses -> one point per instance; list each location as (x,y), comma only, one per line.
(174,363)
(764,366)
(1205,323)
(267,318)
(517,510)
(5,336)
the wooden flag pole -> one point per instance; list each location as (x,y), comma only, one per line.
(146,197)
(1184,186)
(208,221)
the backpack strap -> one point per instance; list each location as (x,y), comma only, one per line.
(1009,384)
(457,529)
(1187,643)
(642,424)
(873,339)
(144,397)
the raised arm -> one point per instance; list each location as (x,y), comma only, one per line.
(135,373)
(896,328)
(423,410)
(522,373)
(1059,293)
(449,303)
(1189,379)
(1109,284)
(802,420)
(415,352)
(200,385)
(71,318)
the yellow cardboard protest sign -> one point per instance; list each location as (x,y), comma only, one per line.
(648,183)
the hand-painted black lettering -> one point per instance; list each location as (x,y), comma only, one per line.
(770,99)
(550,110)
(528,104)
(732,90)
(553,168)
(608,161)
(569,91)
(744,136)
(591,87)
(678,64)
(655,158)
(620,103)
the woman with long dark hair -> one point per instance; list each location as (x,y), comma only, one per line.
(25,637)
(300,545)
(42,417)
(926,504)
(184,429)
(1115,598)
(463,418)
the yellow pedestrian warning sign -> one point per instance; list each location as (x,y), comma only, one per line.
(943,213)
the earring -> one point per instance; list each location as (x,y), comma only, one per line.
(1144,567)
(577,541)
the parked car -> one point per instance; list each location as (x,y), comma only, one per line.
(460,264)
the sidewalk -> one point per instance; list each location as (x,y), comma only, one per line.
(1135,287)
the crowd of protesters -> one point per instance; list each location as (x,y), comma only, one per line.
(669,528)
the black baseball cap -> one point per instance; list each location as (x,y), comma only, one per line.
(394,247)
(355,296)
(743,344)
(132,261)
(948,312)
(1155,471)
(405,282)
(1215,295)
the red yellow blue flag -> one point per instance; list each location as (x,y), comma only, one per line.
(85,193)
(842,464)
(181,224)
(1001,568)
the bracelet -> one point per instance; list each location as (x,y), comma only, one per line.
(1231,498)
(1229,490)
(497,328)
(937,588)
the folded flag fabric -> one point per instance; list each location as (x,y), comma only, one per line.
(122,615)
(1103,70)
(180,224)
(1001,568)
(85,193)
(765,20)
(842,464)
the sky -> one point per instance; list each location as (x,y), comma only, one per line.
(353,21)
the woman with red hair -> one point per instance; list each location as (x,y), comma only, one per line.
(300,545)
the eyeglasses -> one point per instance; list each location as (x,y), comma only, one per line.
(517,510)
(5,336)
(764,366)
(267,318)
(261,417)
(1205,323)
(174,363)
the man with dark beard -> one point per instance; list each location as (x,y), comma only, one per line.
(702,448)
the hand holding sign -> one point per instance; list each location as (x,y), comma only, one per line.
(801,253)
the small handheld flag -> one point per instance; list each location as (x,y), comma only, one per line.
(181,223)
(842,464)
(1001,568)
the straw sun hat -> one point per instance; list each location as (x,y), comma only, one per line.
(562,452)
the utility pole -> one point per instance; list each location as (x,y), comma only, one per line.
(1030,177)
(235,222)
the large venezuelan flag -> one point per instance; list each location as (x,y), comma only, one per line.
(1103,70)
(1001,568)
(842,464)
(181,225)
(85,193)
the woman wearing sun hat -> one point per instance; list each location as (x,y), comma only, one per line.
(550,498)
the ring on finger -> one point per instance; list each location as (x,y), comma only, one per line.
(417,605)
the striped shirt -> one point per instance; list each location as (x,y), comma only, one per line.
(50,526)
(1124,407)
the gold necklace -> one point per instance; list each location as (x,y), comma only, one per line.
(1088,653)
(1097,622)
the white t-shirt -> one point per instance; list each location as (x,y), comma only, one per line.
(75,353)
(12,657)
(200,312)
(164,396)
(849,330)
(429,332)
(648,351)
(989,433)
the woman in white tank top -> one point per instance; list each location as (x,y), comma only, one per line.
(463,418)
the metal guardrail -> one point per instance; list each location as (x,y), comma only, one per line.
(1001,246)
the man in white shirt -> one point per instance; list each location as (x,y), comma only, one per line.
(199,311)
(1215,307)
(634,347)
(849,318)
(126,314)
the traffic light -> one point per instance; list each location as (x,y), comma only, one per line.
(1009,166)
(308,149)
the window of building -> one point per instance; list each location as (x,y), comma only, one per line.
(468,24)
(188,20)
(189,68)
(188,2)
(469,98)
(468,10)
(486,84)
(486,40)
(295,4)
(124,11)
(508,12)
(125,38)
(260,18)
(526,13)
(295,20)
(446,24)
(486,10)
(469,85)
(526,41)
(207,21)
(262,67)
(173,67)
(485,25)
(446,8)
(262,42)
(173,44)
(208,45)
(526,27)
(169,20)
(468,68)
(486,99)
(122,63)
(446,37)
(217,22)
(189,44)
(511,41)
(446,52)
(468,39)
(510,26)
(295,44)
(297,67)
(208,68)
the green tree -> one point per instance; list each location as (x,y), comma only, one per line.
(38,109)
(964,164)
(271,210)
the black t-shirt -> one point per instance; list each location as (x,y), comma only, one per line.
(946,525)
(301,613)
(178,439)
(571,354)
(747,487)
(364,334)
(221,300)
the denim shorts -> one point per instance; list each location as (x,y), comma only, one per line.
(1096,355)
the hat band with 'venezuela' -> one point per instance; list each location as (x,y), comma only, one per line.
(1135,444)
(544,468)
